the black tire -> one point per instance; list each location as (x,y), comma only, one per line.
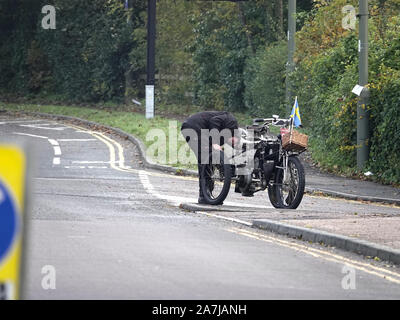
(295,187)
(212,176)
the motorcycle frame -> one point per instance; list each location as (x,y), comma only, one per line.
(283,156)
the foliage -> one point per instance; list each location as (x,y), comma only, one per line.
(265,81)
(217,55)
(327,70)
(84,59)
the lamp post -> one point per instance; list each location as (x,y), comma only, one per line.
(151,41)
(362,111)
(291,49)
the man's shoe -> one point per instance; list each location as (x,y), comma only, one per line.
(237,188)
(247,193)
(201,200)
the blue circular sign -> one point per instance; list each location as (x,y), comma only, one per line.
(8,221)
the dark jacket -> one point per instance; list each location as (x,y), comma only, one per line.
(211,120)
(219,120)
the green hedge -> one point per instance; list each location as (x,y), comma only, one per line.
(265,81)
(84,59)
(324,83)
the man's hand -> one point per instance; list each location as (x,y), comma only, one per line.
(217,147)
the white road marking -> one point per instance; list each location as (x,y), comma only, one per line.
(225,218)
(57,151)
(76,140)
(39,126)
(91,162)
(19,121)
(53,142)
(176,200)
(30,135)
(84,167)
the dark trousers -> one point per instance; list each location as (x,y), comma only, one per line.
(199,151)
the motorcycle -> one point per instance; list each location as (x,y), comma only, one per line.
(263,160)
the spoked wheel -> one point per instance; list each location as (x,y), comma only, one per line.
(216,179)
(288,193)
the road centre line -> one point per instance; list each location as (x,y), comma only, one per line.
(326,255)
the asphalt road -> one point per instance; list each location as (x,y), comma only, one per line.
(109,229)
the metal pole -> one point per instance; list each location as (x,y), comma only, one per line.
(362,112)
(151,41)
(291,50)
(128,73)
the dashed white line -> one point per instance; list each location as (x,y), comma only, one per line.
(53,142)
(57,151)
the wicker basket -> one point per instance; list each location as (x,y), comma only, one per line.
(294,141)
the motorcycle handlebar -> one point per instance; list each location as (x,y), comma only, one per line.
(273,121)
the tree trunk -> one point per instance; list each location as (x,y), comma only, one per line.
(242,18)
(279,13)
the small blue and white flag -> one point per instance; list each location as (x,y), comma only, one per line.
(126,4)
(296,114)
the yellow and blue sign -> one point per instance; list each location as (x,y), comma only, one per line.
(12,195)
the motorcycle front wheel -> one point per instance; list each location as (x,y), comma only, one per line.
(289,193)
(216,179)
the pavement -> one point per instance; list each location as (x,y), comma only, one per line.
(375,234)
(348,188)
(114,229)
